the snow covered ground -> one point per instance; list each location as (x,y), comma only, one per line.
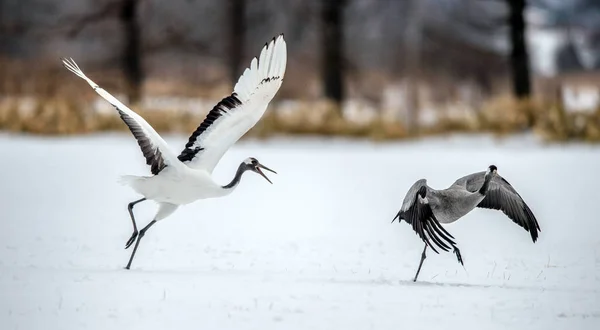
(315,250)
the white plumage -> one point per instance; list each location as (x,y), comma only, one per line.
(255,89)
(182,179)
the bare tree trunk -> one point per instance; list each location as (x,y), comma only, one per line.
(332,17)
(414,36)
(519,57)
(237,15)
(132,54)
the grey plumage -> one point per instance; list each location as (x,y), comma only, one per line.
(424,208)
(502,196)
(417,212)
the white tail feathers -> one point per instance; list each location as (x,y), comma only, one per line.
(128,180)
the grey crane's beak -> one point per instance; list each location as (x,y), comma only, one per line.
(259,166)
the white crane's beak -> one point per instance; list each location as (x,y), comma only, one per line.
(259,166)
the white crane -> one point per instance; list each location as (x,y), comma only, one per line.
(425,208)
(183,179)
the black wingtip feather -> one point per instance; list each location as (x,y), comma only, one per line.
(443,232)
(436,240)
(534,226)
(458,256)
(398,216)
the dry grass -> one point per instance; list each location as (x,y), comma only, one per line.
(560,125)
(323,118)
(43,106)
(55,103)
(58,116)
(62,116)
(505,115)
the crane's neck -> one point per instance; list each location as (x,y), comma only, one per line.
(486,183)
(236,179)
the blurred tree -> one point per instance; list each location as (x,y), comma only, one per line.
(132,54)
(332,39)
(237,9)
(567,58)
(487,19)
(414,38)
(580,21)
(519,58)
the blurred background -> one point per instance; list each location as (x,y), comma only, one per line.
(379,69)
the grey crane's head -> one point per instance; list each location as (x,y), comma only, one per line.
(492,169)
(252,164)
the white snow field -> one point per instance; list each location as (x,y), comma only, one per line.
(315,250)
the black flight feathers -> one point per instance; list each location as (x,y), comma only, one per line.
(225,105)
(507,200)
(420,216)
(152,154)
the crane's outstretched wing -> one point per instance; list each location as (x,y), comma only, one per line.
(502,196)
(233,116)
(155,149)
(418,213)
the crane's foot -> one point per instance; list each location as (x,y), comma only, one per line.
(131,240)
(137,243)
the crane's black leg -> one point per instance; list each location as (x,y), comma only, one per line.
(135,231)
(423,256)
(137,243)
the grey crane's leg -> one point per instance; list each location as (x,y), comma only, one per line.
(137,243)
(423,256)
(135,231)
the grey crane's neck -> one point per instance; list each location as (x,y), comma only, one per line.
(238,176)
(486,183)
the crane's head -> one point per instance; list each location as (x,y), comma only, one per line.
(492,169)
(252,164)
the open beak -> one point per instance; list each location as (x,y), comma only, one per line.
(259,166)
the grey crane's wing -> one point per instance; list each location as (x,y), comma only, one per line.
(502,196)
(418,213)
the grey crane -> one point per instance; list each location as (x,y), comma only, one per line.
(424,208)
